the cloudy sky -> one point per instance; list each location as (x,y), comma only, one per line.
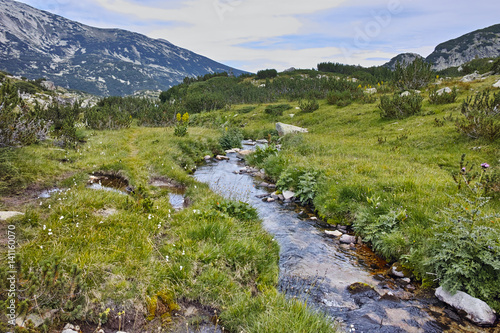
(258,34)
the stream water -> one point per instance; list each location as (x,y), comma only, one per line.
(318,269)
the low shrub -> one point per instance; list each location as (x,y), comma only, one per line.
(303,182)
(231,138)
(277,110)
(444,97)
(481,116)
(308,105)
(464,252)
(259,156)
(237,209)
(339,98)
(399,107)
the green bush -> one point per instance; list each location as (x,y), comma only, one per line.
(339,98)
(308,105)
(277,110)
(231,138)
(399,107)
(259,156)
(496,66)
(303,182)
(465,250)
(481,116)
(444,97)
(237,209)
(266,74)
(18,125)
(414,75)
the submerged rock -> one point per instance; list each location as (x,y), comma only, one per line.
(477,310)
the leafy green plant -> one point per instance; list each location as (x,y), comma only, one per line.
(303,181)
(237,209)
(399,107)
(443,97)
(181,125)
(481,116)
(377,225)
(259,156)
(465,250)
(414,75)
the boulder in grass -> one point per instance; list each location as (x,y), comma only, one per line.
(284,129)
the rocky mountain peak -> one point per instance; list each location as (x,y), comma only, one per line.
(36,43)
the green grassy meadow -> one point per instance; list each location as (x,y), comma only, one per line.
(399,183)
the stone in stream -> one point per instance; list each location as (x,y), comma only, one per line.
(222,157)
(243,153)
(397,271)
(288,195)
(334,233)
(477,310)
(347,239)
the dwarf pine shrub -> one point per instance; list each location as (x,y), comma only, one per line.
(414,75)
(444,97)
(308,105)
(481,116)
(399,107)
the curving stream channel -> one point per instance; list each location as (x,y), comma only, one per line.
(318,269)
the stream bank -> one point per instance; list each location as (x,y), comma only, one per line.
(347,281)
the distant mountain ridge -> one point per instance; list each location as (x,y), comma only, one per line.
(482,43)
(36,43)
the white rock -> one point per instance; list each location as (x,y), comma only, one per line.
(243,153)
(347,239)
(371,91)
(497,85)
(221,157)
(262,141)
(334,233)
(288,195)
(471,77)
(443,90)
(405,93)
(229,151)
(477,311)
(5,215)
(284,129)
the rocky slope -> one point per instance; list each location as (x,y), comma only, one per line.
(484,43)
(403,58)
(35,43)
